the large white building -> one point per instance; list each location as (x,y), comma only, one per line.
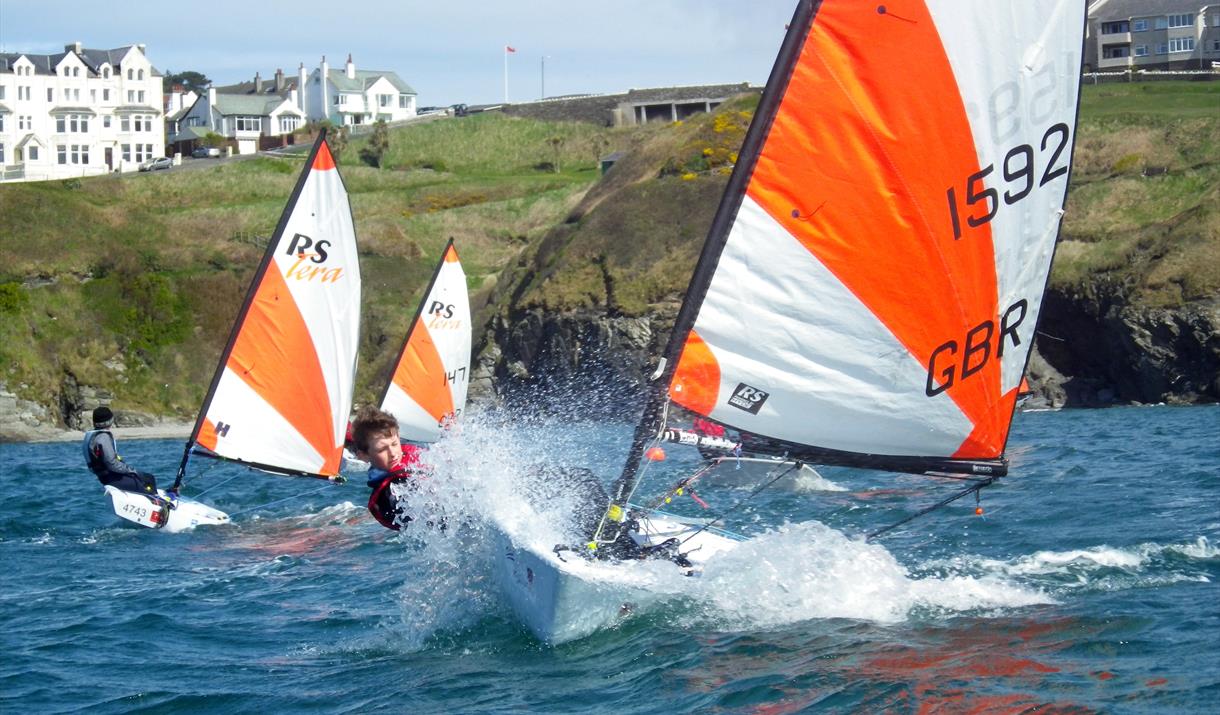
(350,97)
(81,112)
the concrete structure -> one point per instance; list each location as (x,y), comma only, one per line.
(636,106)
(81,112)
(1152,35)
(351,97)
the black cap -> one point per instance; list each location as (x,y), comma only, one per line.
(102,416)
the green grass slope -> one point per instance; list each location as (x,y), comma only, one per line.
(132,283)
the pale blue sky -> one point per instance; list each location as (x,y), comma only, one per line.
(448,51)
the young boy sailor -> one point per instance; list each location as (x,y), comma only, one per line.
(375,437)
(102,457)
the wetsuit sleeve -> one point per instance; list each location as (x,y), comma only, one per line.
(109,455)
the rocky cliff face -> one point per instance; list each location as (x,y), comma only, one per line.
(582,363)
(1108,351)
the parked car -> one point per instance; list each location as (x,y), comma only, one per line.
(161,162)
(204,152)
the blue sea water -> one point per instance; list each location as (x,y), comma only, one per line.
(1089,584)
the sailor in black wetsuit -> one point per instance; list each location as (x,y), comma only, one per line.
(104,461)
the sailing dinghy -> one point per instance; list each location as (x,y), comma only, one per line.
(868,293)
(282,392)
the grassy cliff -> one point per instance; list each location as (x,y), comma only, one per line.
(131,283)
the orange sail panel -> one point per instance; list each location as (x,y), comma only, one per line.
(284,389)
(427,390)
(879,283)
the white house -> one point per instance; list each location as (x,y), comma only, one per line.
(351,96)
(243,118)
(78,113)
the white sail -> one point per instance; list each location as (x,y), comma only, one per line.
(427,389)
(880,278)
(284,388)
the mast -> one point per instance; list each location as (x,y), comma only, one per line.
(650,421)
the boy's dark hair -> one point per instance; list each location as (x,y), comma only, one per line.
(372,422)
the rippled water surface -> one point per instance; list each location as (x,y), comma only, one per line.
(1089,584)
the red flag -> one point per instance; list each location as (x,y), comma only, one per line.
(510,50)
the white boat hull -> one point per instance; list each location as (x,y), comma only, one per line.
(184,514)
(564,597)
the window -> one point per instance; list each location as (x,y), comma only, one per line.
(130,74)
(76,71)
(338,98)
(1115,28)
(80,154)
(289,123)
(1,153)
(1141,50)
(131,96)
(1113,52)
(93,96)
(1182,44)
(194,121)
(126,152)
(61,124)
(1162,48)
(1161,23)
(248,124)
(140,74)
(1215,45)
(23,93)
(385,100)
(25,122)
(124,124)
(62,153)
(51,95)
(105,73)
(1187,20)
(1216,19)
(1139,25)
(2,88)
(140,96)
(76,95)
(105,95)
(404,101)
(31,152)
(1,122)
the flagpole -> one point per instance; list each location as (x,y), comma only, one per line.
(506,74)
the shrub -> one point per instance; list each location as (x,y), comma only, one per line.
(13,298)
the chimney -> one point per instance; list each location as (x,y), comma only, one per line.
(258,83)
(140,47)
(301,77)
(351,68)
(211,97)
(74,47)
(279,81)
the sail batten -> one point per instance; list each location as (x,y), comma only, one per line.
(283,388)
